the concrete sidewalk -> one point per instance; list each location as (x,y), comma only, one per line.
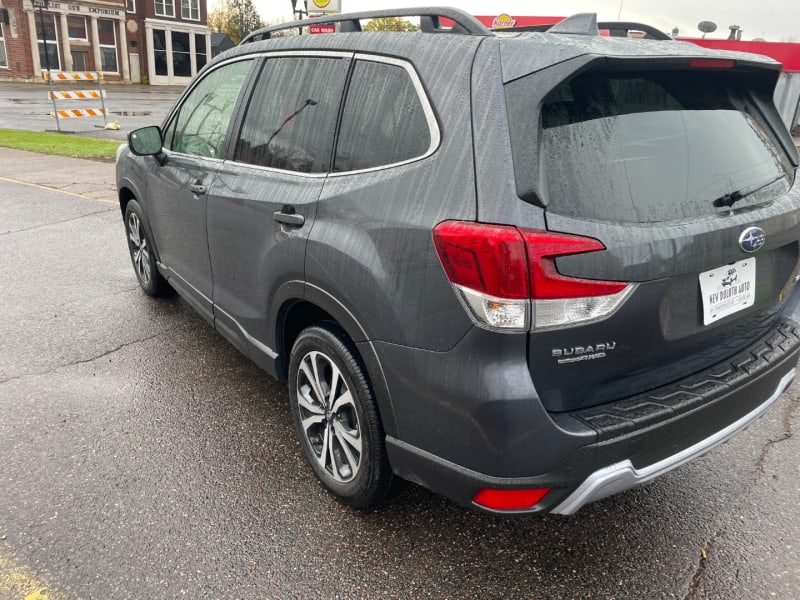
(90,178)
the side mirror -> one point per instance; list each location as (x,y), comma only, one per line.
(146,141)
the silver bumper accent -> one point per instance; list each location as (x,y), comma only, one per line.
(623,475)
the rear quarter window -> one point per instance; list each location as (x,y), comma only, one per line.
(384,120)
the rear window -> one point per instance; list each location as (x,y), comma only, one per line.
(654,146)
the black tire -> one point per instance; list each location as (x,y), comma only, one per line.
(140,248)
(340,432)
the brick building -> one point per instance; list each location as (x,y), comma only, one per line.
(168,40)
(128,40)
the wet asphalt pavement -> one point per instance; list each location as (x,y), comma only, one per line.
(142,457)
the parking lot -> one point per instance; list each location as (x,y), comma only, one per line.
(144,457)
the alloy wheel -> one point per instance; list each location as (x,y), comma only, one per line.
(328,417)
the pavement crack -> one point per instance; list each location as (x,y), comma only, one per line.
(695,583)
(788,415)
(83,361)
(43,225)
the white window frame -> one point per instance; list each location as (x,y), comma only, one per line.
(114,46)
(85,28)
(130,6)
(165,4)
(189,8)
(4,63)
(55,42)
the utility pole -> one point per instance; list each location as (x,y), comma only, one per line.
(42,5)
(299,12)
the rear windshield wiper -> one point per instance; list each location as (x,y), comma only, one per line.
(732,198)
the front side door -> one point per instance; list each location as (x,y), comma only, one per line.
(178,187)
(262,204)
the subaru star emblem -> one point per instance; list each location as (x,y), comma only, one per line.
(752,239)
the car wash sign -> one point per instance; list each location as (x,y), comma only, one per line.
(324,6)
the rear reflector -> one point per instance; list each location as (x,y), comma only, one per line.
(503,274)
(509,499)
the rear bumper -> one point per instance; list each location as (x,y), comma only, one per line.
(623,475)
(634,440)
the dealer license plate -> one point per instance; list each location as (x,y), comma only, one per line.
(728,289)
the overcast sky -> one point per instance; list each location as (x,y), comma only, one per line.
(773,20)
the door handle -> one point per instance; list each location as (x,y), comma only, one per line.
(287,216)
(198,188)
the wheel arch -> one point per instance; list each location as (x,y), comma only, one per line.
(127,192)
(316,307)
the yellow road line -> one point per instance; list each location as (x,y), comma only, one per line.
(52,189)
(19,583)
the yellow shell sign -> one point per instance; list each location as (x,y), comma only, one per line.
(324,6)
(503,20)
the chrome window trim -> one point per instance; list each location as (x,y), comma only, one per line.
(427,109)
(291,54)
(175,109)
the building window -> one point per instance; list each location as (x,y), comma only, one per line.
(181,54)
(200,54)
(79,61)
(108,45)
(165,8)
(3,55)
(190,9)
(130,6)
(51,35)
(76,27)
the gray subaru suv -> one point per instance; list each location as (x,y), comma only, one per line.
(526,270)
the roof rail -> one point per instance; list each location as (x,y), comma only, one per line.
(623,27)
(430,22)
(616,29)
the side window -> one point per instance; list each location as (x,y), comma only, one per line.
(383,120)
(203,119)
(292,114)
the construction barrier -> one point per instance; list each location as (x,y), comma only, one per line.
(70,113)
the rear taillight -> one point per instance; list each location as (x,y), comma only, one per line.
(508,278)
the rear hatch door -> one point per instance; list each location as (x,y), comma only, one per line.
(680,170)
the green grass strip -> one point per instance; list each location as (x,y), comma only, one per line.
(60,144)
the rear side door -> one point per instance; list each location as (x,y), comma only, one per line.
(263,202)
(177,188)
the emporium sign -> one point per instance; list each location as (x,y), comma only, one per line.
(77,8)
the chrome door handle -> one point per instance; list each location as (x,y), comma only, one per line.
(198,188)
(287,216)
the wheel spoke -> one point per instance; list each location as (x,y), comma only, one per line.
(335,376)
(332,455)
(311,372)
(306,402)
(344,400)
(348,442)
(322,457)
(312,420)
(349,438)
